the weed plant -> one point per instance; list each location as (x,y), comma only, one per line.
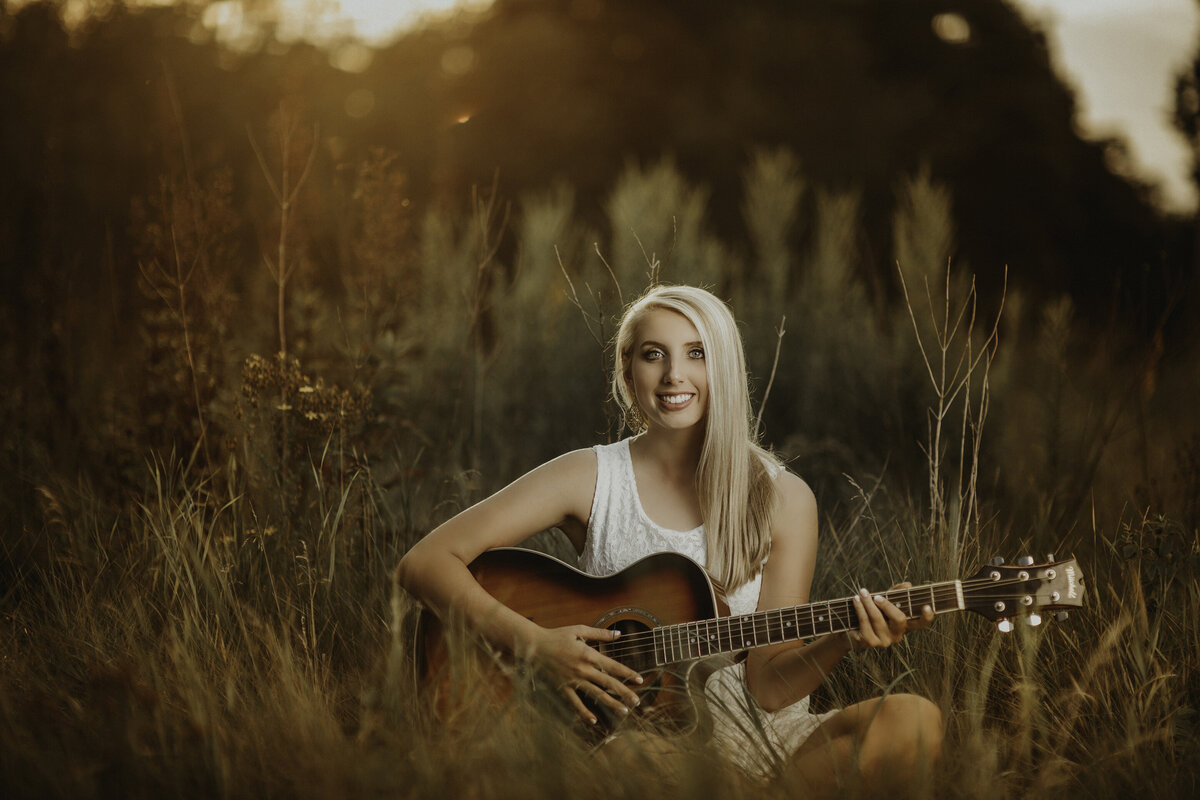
(204,605)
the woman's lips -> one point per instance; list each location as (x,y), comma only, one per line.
(675,401)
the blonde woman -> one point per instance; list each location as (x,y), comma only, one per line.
(692,480)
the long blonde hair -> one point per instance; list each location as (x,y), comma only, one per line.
(735,477)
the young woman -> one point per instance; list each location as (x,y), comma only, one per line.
(693,481)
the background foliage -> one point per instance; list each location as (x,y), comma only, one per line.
(267,321)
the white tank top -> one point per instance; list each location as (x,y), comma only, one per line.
(619,532)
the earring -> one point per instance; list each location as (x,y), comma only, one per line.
(633,418)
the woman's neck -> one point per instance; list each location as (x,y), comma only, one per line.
(675,452)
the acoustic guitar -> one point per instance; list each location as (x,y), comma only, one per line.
(672,619)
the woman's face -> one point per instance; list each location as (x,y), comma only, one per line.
(668,371)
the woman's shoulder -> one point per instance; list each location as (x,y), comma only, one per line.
(573,465)
(792,486)
(565,477)
(796,511)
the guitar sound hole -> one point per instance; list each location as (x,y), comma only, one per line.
(635,650)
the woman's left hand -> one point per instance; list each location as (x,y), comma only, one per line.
(881,623)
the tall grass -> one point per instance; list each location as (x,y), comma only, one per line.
(221,620)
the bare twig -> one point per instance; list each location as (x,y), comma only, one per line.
(611,274)
(779,332)
(180,283)
(285,193)
(595,332)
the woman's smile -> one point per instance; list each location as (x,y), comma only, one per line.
(675,402)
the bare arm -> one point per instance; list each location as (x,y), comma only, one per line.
(782,674)
(435,571)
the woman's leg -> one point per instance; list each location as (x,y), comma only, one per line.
(886,742)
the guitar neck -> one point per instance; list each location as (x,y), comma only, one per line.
(688,641)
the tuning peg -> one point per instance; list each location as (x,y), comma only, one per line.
(1034,620)
(997,561)
(1004,626)
(1025,561)
(1050,557)
(1061,616)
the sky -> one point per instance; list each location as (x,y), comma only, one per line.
(1120,56)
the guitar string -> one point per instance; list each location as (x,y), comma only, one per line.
(758,620)
(643,642)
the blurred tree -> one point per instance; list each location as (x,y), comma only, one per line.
(862,91)
(1187,119)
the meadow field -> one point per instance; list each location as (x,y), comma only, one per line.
(204,605)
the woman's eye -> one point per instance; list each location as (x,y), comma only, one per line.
(696,352)
(652,355)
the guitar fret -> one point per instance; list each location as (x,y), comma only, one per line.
(688,641)
(838,618)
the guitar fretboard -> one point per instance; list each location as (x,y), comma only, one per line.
(688,641)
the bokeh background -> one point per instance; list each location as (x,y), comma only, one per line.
(280,294)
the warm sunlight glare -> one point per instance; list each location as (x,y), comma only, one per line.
(375,21)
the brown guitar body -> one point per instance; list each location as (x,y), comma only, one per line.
(661,589)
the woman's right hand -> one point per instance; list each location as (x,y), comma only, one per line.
(579,670)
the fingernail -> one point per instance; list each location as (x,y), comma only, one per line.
(864,592)
(926,608)
(592,720)
(878,598)
(616,634)
(624,709)
(638,679)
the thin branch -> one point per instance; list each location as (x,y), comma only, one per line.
(312,156)
(262,163)
(573,296)
(611,274)
(779,332)
(916,328)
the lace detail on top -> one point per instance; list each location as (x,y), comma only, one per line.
(619,532)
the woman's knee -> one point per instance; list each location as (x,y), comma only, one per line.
(909,726)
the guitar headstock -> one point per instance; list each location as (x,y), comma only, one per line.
(1001,592)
